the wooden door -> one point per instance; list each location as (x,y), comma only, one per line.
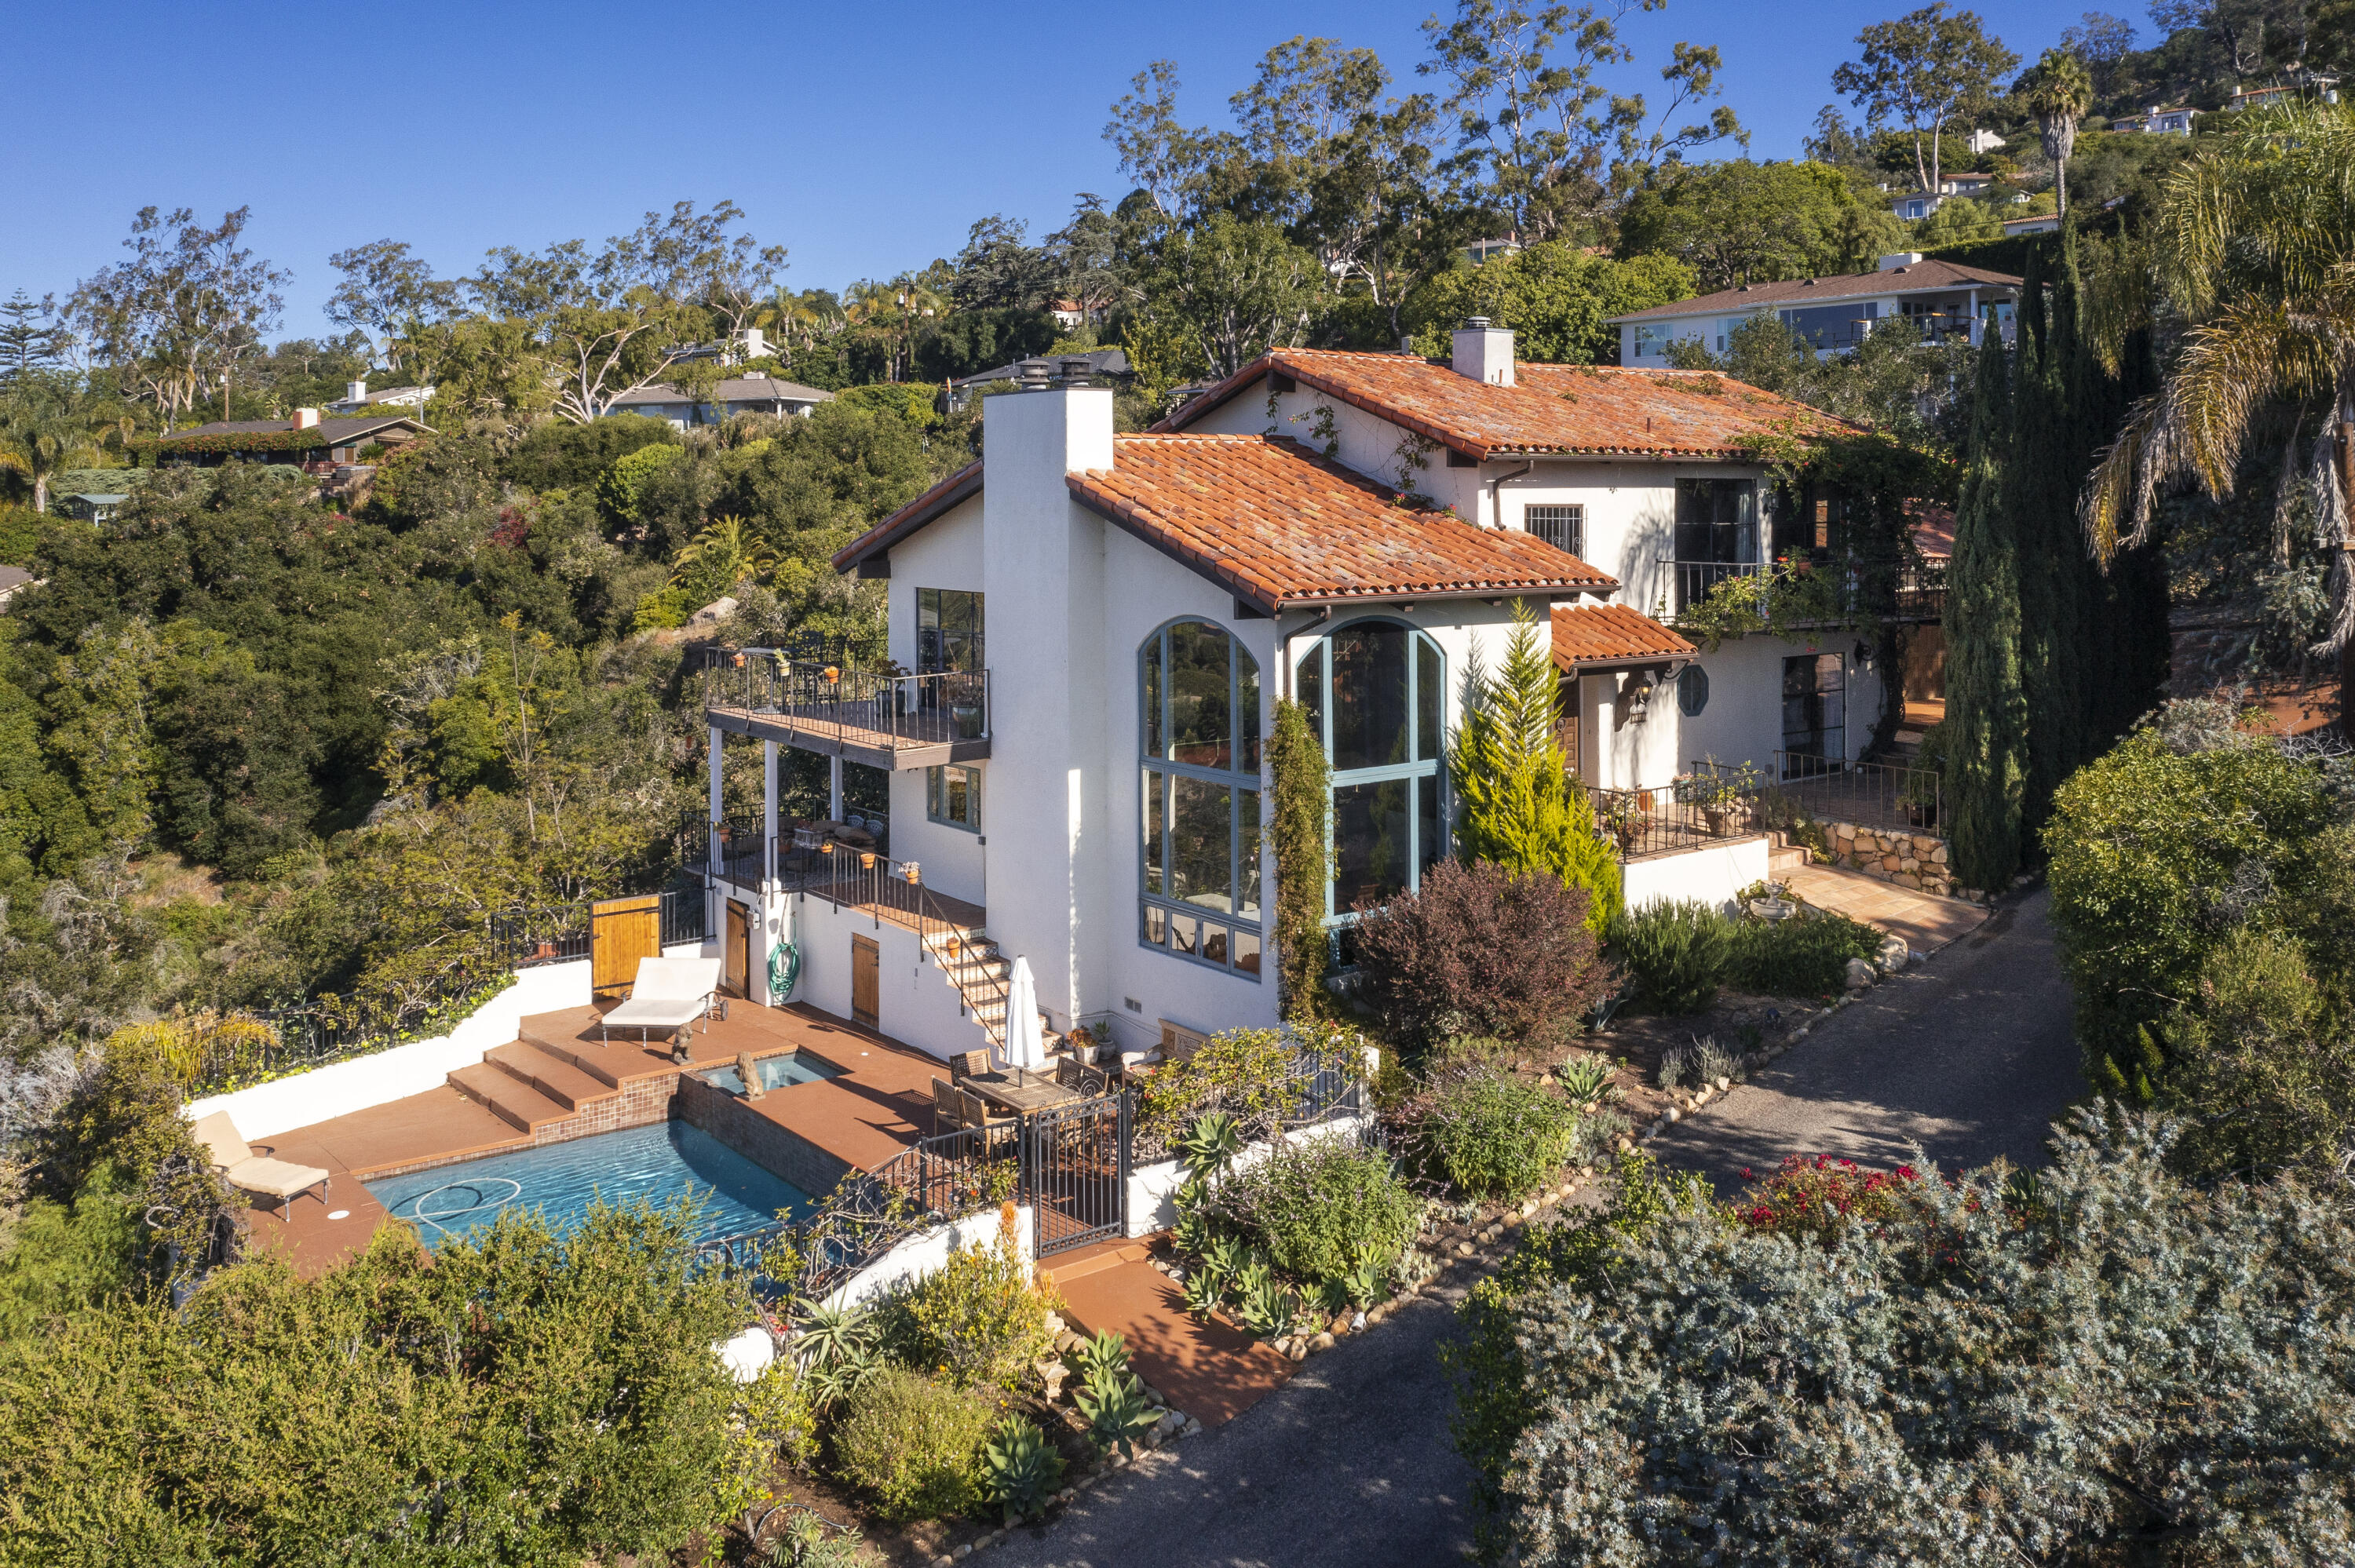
(736,953)
(620,932)
(865,975)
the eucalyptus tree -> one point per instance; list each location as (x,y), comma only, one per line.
(187,304)
(1919,71)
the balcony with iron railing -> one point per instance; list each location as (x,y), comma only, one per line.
(881,719)
(1837,591)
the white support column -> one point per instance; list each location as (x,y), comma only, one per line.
(833,788)
(714,811)
(771,914)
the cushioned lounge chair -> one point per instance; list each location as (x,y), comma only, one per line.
(251,1172)
(668,994)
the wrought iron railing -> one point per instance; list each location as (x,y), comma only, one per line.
(859,707)
(854,878)
(1869,794)
(1319,1091)
(1689,582)
(1685,814)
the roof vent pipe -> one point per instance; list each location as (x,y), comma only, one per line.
(1034,375)
(1078,371)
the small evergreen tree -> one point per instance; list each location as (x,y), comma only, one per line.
(1303,876)
(1986,708)
(1517,804)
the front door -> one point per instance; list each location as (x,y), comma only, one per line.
(1815,713)
(866,970)
(736,953)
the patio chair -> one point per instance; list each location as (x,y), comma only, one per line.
(668,994)
(997,1128)
(968,1065)
(251,1172)
(948,1106)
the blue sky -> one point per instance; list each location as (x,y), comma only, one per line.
(865,138)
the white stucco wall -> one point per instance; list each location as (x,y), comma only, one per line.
(915,1002)
(926,1253)
(340,1088)
(947,553)
(1152,1189)
(1713,874)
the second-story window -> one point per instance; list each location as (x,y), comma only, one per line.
(953,795)
(948,631)
(1563,527)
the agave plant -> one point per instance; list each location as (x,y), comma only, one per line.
(1021,1470)
(1201,1293)
(1365,1284)
(1117,1413)
(1209,1144)
(1194,1234)
(1104,1355)
(1330,1296)
(825,1335)
(1268,1308)
(1584,1078)
(1226,1259)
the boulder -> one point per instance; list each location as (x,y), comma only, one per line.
(1892,955)
(711,614)
(1860,975)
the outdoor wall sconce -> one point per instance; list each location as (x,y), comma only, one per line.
(1635,697)
(1863,658)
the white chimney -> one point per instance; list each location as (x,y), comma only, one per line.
(354,391)
(1902,258)
(1483,353)
(306,418)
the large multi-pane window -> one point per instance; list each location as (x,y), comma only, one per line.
(1374,691)
(948,631)
(1199,745)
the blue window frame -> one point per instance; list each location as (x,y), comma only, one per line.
(1198,861)
(1375,694)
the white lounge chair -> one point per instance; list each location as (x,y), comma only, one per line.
(668,994)
(251,1172)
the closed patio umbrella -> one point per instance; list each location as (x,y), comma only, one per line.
(1023,1048)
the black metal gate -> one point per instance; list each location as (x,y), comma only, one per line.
(1075,1172)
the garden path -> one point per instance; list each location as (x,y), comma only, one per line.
(1970,1053)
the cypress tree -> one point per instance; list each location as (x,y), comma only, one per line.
(1986,708)
(2041,495)
(1517,804)
(1304,875)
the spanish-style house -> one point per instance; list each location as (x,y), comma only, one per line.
(1089,631)
(1926,298)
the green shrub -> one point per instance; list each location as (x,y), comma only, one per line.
(1677,951)
(1322,1206)
(979,1319)
(915,1444)
(1797,958)
(1487,1135)
(1478,950)
(1022,1469)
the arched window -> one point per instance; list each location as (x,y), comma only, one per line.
(1199,747)
(1374,692)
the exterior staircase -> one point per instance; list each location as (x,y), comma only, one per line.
(528,1083)
(982,974)
(1783,856)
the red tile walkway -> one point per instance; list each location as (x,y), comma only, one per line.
(1211,1372)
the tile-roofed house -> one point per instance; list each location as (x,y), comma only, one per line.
(1552,408)
(1908,292)
(1613,637)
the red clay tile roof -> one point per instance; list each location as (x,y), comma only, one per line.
(1588,634)
(1583,409)
(1281,526)
(960,486)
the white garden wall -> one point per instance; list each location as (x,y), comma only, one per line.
(925,1253)
(1152,1188)
(1713,874)
(340,1088)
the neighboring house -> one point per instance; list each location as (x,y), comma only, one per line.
(1068,314)
(319,446)
(1985,142)
(1099,626)
(98,506)
(2042,223)
(1915,205)
(14,580)
(2158,121)
(1483,250)
(358,400)
(737,395)
(1929,298)
(1104,364)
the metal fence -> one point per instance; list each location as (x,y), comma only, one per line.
(1317,1092)
(1685,815)
(860,707)
(1869,794)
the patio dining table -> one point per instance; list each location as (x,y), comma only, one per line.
(1016,1090)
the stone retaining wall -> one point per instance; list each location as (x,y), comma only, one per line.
(1918,861)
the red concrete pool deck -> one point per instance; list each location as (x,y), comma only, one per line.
(878,1104)
(1213,1371)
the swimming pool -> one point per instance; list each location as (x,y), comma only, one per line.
(560,1180)
(777,1073)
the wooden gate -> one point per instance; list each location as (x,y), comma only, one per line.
(865,975)
(1075,1172)
(736,952)
(620,932)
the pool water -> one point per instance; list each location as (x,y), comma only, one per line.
(777,1073)
(657,1163)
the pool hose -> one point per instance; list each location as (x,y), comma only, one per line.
(784,969)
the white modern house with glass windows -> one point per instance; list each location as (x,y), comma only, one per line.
(1923,299)
(1094,629)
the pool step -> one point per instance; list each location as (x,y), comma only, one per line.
(553,1073)
(510,1099)
(585,1056)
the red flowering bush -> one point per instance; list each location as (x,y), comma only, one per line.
(1810,1193)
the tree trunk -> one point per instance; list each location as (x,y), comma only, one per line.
(2346,494)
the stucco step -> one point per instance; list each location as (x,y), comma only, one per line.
(553,1043)
(1786,857)
(513,1101)
(552,1073)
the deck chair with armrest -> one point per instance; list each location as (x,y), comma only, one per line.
(998,1128)
(948,1107)
(250,1172)
(668,994)
(968,1065)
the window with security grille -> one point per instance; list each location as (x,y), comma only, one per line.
(1563,527)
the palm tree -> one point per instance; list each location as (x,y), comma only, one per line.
(2058,92)
(39,435)
(2253,243)
(727,551)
